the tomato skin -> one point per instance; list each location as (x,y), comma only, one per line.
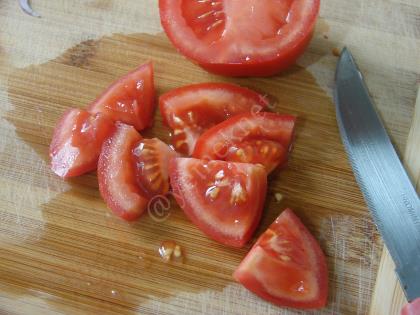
(260,69)
(207,216)
(216,142)
(77,142)
(412,308)
(192,109)
(116,175)
(258,62)
(130,99)
(234,91)
(286,266)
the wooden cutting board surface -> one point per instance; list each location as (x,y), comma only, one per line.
(62,251)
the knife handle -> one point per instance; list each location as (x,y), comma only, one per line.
(412,308)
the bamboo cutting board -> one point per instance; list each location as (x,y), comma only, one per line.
(63,252)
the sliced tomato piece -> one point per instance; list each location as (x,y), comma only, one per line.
(131,170)
(130,99)
(263,138)
(151,157)
(192,109)
(240,38)
(223,199)
(116,175)
(77,141)
(286,266)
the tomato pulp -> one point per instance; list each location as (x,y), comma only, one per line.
(286,266)
(192,109)
(77,142)
(130,99)
(131,170)
(259,138)
(223,199)
(240,38)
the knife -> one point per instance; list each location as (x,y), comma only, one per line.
(26,7)
(386,187)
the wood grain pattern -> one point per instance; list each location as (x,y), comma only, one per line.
(62,252)
(388,297)
(60,245)
(412,152)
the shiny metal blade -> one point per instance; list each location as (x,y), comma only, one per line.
(26,7)
(389,194)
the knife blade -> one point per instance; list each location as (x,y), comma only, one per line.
(27,8)
(386,187)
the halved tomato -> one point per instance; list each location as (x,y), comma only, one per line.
(192,109)
(222,199)
(129,100)
(240,38)
(263,138)
(77,142)
(286,266)
(131,170)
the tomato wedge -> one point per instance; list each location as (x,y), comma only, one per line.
(223,199)
(131,170)
(263,138)
(240,38)
(116,176)
(286,266)
(151,157)
(130,99)
(192,109)
(77,141)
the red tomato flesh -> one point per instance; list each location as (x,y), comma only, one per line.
(116,176)
(223,199)
(151,158)
(131,170)
(130,99)
(263,138)
(192,109)
(286,266)
(265,152)
(240,38)
(77,142)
